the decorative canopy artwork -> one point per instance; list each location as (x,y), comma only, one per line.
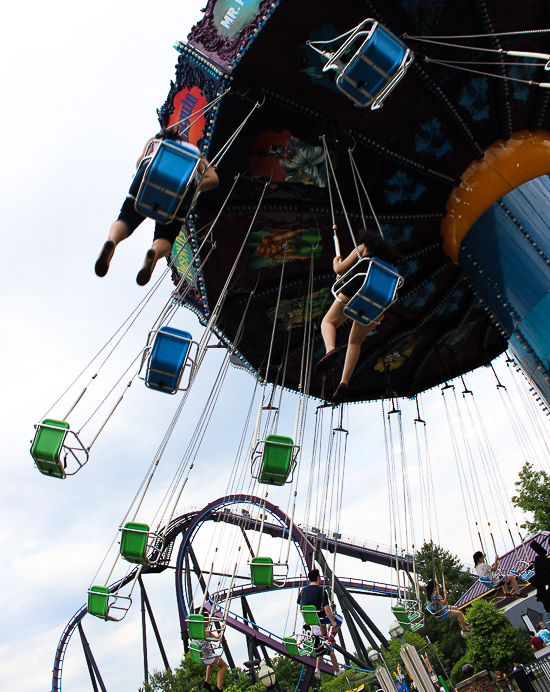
(410,155)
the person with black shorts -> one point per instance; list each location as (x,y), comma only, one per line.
(129,218)
(315,595)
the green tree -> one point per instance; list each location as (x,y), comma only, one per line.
(495,644)
(534,497)
(432,559)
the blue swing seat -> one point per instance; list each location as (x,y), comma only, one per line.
(369,63)
(377,293)
(443,614)
(168,360)
(167,180)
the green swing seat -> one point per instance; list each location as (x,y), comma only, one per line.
(311,615)
(47,445)
(307,648)
(291,646)
(195,651)
(276,460)
(261,572)
(197,626)
(406,619)
(133,544)
(98,602)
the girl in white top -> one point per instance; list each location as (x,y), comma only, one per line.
(488,572)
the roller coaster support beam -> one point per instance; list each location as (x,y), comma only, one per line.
(361,617)
(145,602)
(247,613)
(90,660)
(198,572)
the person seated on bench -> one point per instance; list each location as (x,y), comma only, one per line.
(438,606)
(315,595)
(486,572)
(370,245)
(129,219)
(321,649)
(211,660)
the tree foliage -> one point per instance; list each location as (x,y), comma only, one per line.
(534,497)
(495,644)
(432,559)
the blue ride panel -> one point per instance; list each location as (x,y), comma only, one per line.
(373,67)
(506,255)
(167,180)
(376,294)
(167,361)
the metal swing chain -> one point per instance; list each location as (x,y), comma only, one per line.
(503,33)
(531,82)
(357,175)
(330,168)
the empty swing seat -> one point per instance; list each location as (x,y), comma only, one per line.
(406,619)
(133,544)
(168,359)
(369,63)
(291,646)
(47,446)
(311,615)
(167,180)
(276,460)
(377,293)
(261,572)
(98,602)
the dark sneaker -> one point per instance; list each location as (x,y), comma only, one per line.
(207,686)
(326,361)
(340,395)
(145,273)
(521,595)
(104,259)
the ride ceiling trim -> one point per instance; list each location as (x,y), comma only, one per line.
(283,206)
(505,166)
(369,143)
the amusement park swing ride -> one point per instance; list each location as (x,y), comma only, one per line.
(432,129)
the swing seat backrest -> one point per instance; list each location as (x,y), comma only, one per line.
(409,622)
(195,651)
(167,179)
(98,602)
(47,445)
(311,616)
(291,646)
(487,582)
(440,615)
(261,571)
(378,64)
(197,626)
(377,293)
(276,460)
(133,543)
(167,361)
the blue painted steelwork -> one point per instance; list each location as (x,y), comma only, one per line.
(506,255)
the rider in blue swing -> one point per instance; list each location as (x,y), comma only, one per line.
(315,595)
(370,245)
(129,218)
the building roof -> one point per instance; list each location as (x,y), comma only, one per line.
(508,561)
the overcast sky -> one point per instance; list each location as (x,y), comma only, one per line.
(80,89)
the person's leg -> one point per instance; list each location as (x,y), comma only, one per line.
(334,662)
(318,662)
(331,321)
(222,669)
(357,335)
(160,248)
(209,671)
(118,232)
(456,613)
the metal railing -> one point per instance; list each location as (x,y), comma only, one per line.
(533,677)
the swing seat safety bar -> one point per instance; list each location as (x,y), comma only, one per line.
(101,603)
(377,293)
(169,355)
(369,64)
(167,180)
(274,460)
(139,545)
(54,444)
(262,572)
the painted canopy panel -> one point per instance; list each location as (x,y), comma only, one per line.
(410,155)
